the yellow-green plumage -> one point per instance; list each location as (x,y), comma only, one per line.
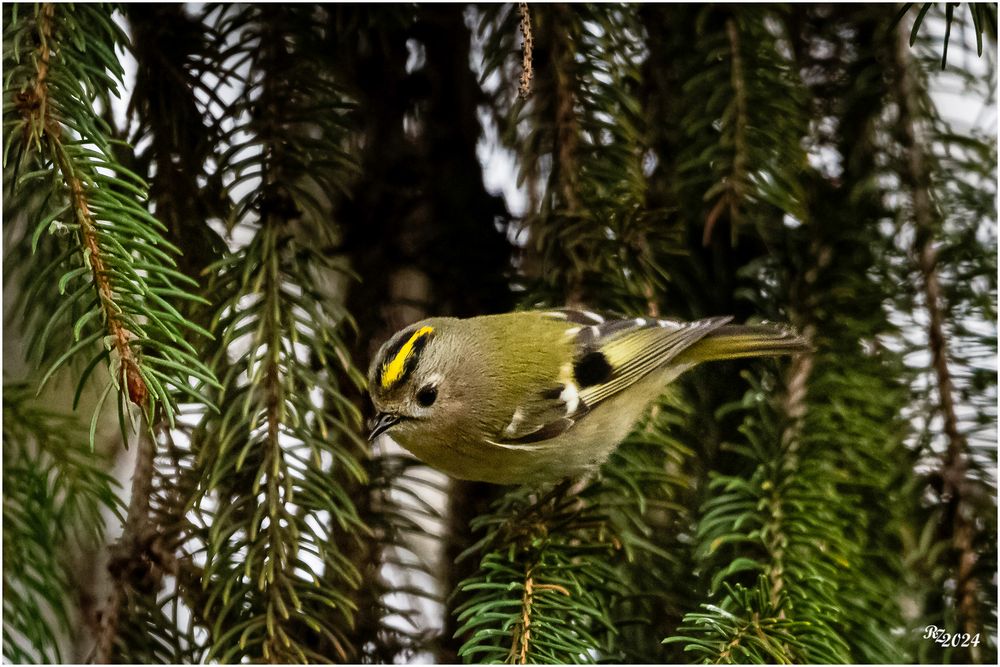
(540,395)
(735,341)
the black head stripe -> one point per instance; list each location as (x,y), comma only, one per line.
(401,357)
(390,352)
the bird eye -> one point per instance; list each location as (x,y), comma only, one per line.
(427,395)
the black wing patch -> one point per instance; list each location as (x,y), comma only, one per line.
(610,357)
(634,352)
(592,368)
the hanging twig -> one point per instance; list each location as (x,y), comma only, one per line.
(916,173)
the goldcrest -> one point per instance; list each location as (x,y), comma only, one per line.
(537,396)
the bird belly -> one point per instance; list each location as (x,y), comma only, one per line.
(578,451)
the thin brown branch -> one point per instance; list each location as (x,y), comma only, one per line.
(137,560)
(649,293)
(138,392)
(712,218)
(44,121)
(737,78)
(925,218)
(725,655)
(276,647)
(521,639)
(565,167)
(798,383)
(733,194)
(794,404)
(522,633)
(566,124)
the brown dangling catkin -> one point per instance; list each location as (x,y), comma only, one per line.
(526,48)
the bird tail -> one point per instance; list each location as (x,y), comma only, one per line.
(734,341)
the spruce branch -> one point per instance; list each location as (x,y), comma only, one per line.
(60,62)
(43,128)
(815,498)
(55,491)
(160,620)
(174,104)
(277,465)
(750,627)
(916,174)
(983,16)
(735,181)
(742,153)
(540,593)
(581,134)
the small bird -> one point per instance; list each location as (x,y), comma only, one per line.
(537,396)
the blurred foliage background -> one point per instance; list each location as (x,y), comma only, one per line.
(213,214)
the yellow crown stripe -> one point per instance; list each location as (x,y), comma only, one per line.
(394,369)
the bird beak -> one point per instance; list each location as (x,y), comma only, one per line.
(381,423)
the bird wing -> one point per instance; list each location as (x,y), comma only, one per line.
(608,357)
